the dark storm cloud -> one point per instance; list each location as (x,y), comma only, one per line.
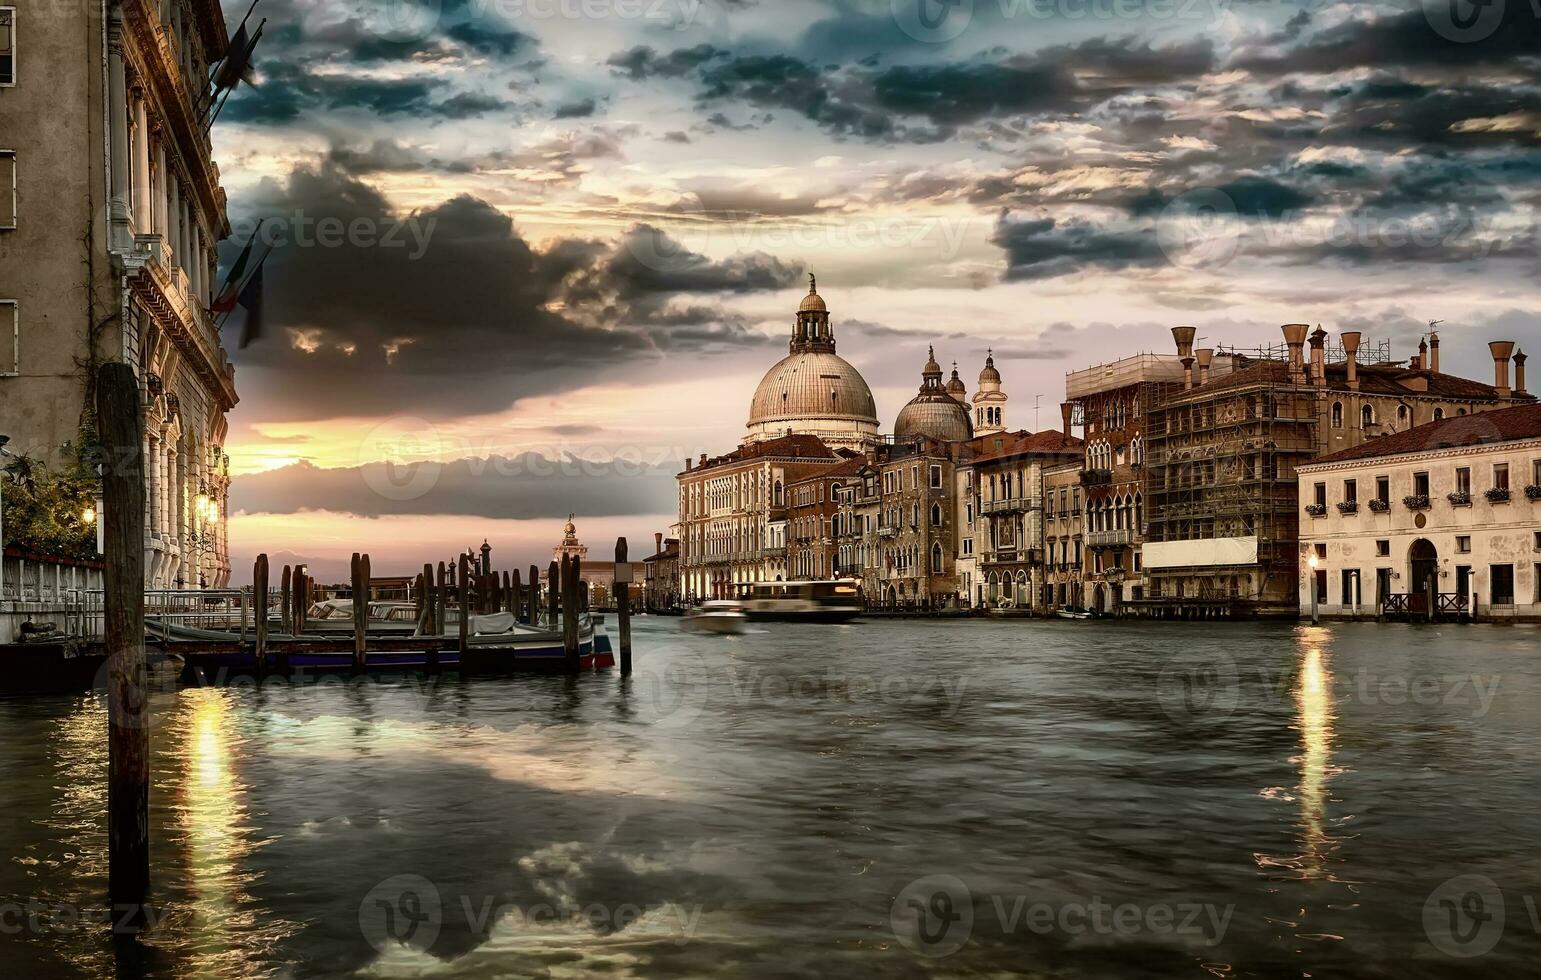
(291,92)
(449,310)
(1043,248)
(643,61)
(581,109)
(529,485)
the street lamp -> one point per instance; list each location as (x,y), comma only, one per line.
(1315,561)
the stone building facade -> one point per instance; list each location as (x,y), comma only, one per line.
(1064,542)
(1449,510)
(661,575)
(107,254)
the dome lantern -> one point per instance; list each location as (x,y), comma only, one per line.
(934,412)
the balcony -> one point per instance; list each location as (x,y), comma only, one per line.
(1117,538)
(1096,478)
(1005,505)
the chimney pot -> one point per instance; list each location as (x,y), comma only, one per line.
(1501,349)
(1519,372)
(1066,412)
(1351,339)
(1187,373)
(1184,337)
(1319,356)
(1206,357)
(1295,337)
(1433,361)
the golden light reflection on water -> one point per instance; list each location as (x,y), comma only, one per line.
(1313,698)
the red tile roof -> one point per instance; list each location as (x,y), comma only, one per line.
(793,446)
(1047,442)
(1480,428)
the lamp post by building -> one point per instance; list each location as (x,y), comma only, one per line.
(1314,562)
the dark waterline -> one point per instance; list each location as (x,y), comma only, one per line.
(1055,799)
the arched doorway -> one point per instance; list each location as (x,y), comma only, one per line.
(1423,569)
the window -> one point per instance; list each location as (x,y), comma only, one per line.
(1500,476)
(1383,549)
(936,477)
(1367,416)
(1421,484)
(8,203)
(936,515)
(1502,588)
(936,559)
(1402,414)
(1383,489)
(1535,473)
(7,46)
(1463,544)
(1463,479)
(1351,491)
(1337,415)
(968,546)
(10,338)
(1321,495)
(1439,413)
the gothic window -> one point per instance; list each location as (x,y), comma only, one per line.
(1367,416)
(1337,415)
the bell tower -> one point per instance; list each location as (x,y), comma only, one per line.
(989,400)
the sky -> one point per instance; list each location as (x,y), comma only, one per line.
(529,255)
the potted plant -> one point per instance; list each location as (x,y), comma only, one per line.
(1416,501)
(1533,492)
(1348,506)
(1316,510)
(1460,498)
(1380,506)
(1497,495)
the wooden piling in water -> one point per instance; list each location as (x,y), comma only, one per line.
(554,595)
(570,613)
(259,604)
(441,603)
(359,588)
(285,605)
(120,429)
(534,596)
(515,592)
(623,603)
(465,610)
(428,628)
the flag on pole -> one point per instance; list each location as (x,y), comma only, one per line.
(236,67)
(230,292)
(251,299)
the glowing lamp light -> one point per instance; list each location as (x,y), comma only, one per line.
(1315,561)
(88,515)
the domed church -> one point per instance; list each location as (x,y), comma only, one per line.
(813,391)
(937,412)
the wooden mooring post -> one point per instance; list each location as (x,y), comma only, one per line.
(570,613)
(623,603)
(441,603)
(285,602)
(465,605)
(360,588)
(120,429)
(554,583)
(259,603)
(514,589)
(534,596)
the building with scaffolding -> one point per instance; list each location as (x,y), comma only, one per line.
(1222,445)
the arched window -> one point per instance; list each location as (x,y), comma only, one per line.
(1367,416)
(778,493)
(1439,413)
(936,559)
(1337,415)
(1402,414)
(936,515)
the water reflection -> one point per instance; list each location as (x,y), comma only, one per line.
(1313,698)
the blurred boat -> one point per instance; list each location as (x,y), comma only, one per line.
(716,616)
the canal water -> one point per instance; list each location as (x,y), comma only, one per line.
(922,798)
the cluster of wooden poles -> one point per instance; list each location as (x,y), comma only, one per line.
(120,425)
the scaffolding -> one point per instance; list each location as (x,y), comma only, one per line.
(1220,464)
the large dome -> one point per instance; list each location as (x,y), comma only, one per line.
(813,391)
(810,386)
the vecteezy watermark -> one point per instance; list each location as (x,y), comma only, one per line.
(1210,688)
(936,916)
(940,21)
(48,917)
(409,910)
(301,230)
(409,20)
(401,458)
(1469,21)
(1464,916)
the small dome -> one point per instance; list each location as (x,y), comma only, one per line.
(989,375)
(955,386)
(931,366)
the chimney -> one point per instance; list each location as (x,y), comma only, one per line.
(1319,356)
(1433,362)
(703,460)
(1501,349)
(1423,355)
(1066,410)
(1295,337)
(1351,357)
(1187,374)
(1206,357)
(687,464)
(1184,337)
(1519,372)
(657,542)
